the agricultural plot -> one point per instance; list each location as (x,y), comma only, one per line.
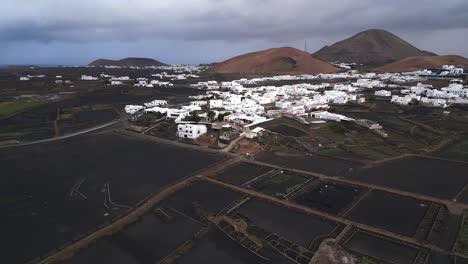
(305,230)
(312,163)
(461,245)
(445,229)
(241,173)
(152,238)
(380,248)
(166,130)
(29,125)
(443,179)
(211,198)
(78,118)
(329,197)
(8,108)
(458,151)
(391,212)
(286,130)
(278,183)
(216,247)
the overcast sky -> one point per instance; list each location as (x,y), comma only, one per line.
(75,32)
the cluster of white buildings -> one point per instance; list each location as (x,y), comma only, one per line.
(178,68)
(143,82)
(455,93)
(383,93)
(179,76)
(29,77)
(249,105)
(88,78)
(209,85)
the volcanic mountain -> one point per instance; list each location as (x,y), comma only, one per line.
(138,62)
(371,48)
(277,60)
(423,62)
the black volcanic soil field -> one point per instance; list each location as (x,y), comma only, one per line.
(51,193)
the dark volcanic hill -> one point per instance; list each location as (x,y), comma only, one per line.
(278,60)
(138,62)
(371,48)
(423,62)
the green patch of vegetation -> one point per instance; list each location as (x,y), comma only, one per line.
(332,151)
(221,116)
(8,108)
(279,148)
(186,140)
(337,128)
(461,245)
(280,184)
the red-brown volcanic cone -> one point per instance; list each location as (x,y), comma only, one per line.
(423,62)
(278,60)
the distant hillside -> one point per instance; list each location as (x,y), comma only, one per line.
(139,62)
(372,48)
(423,62)
(278,60)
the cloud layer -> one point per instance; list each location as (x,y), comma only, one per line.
(191,31)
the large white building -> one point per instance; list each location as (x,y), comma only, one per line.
(325,115)
(190,130)
(383,93)
(156,103)
(88,78)
(216,103)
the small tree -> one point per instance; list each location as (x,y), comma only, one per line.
(414,101)
(211,114)
(221,116)
(193,117)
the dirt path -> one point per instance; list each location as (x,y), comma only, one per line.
(233,143)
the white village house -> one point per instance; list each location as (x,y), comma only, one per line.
(190,130)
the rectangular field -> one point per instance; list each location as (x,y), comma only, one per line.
(280,184)
(389,211)
(241,173)
(329,197)
(438,178)
(297,227)
(383,249)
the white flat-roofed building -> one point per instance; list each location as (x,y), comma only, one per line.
(383,93)
(199,103)
(191,131)
(156,103)
(325,115)
(254,132)
(131,109)
(88,78)
(177,113)
(216,103)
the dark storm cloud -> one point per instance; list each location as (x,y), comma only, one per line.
(277,22)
